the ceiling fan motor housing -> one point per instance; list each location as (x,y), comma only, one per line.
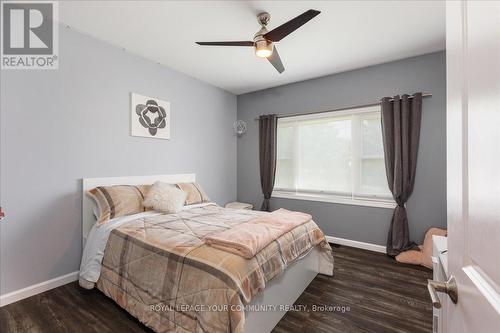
(263,47)
(261,43)
(260,35)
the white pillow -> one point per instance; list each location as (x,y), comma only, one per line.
(165,198)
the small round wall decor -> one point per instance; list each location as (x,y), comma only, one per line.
(240,127)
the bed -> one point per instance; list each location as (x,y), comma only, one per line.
(131,261)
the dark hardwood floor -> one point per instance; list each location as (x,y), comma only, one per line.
(369,292)
(382,296)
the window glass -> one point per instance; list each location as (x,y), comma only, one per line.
(339,153)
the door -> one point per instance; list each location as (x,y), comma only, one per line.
(473,164)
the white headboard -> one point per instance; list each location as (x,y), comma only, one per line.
(90,183)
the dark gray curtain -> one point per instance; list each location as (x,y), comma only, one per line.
(401,132)
(267,156)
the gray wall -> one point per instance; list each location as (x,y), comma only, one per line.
(426,207)
(59,126)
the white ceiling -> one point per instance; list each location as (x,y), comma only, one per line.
(345,36)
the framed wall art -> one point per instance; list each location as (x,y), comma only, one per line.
(150,117)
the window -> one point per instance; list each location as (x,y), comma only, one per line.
(335,156)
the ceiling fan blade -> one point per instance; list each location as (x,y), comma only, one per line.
(287,28)
(275,60)
(239,43)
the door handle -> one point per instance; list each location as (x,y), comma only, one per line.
(449,287)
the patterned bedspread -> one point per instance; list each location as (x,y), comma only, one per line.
(161,271)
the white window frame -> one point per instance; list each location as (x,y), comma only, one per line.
(336,197)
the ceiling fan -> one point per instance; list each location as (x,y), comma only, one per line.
(263,39)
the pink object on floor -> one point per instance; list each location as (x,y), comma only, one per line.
(248,239)
(422,257)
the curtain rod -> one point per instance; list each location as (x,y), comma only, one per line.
(341,109)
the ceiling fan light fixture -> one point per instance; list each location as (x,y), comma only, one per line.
(263,49)
(263,53)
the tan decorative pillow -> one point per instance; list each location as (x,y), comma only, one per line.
(195,194)
(118,200)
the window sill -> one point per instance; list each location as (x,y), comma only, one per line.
(334,199)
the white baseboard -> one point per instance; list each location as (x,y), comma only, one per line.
(38,288)
(353,243)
